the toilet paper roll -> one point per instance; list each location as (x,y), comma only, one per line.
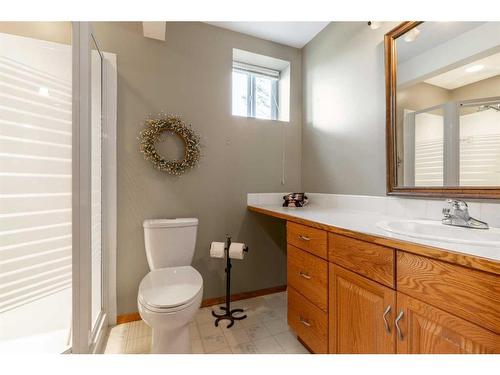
(237,250)
(217,249)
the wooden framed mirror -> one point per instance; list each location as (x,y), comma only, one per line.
(443,109)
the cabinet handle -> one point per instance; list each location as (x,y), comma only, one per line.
(384,316)
(304,322)
(305,275)
(398,318)
(304,238)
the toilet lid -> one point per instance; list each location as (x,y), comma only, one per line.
(170,287)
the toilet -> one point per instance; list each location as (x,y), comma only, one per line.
(170,294)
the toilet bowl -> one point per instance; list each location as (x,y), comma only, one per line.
(171,293)
(168,300)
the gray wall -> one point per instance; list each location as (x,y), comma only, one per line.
(343,136)
(190,74)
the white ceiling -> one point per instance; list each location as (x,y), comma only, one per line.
(294,34)
(459,77)
(431,35)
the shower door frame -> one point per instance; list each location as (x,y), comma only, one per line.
(86,339)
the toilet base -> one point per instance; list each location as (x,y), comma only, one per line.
(172,341)
(170,325)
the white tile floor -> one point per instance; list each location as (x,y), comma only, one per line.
(264,331)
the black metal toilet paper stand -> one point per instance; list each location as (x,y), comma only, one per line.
(228,314)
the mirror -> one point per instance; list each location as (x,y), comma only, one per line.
(443,98)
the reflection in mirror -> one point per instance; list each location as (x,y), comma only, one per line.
(448,105)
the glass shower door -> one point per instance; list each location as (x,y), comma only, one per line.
(35,187)
(96,173)
(54,243)
(88,250)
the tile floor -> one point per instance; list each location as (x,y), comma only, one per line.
(264,331)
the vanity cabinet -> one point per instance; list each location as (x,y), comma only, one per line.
(307,276)
(351,295)
(425,329)
(361,314)
(466,293)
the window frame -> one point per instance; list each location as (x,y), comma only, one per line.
(250,99)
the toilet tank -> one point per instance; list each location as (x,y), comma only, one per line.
(170,242)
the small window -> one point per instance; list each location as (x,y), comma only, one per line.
(260,86)
(255,91)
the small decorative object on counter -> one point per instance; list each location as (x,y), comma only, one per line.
(295,200)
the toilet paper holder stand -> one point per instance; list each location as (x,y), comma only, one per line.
(227,313)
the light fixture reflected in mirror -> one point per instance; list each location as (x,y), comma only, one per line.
(411,35)
(374,25)
(474,68)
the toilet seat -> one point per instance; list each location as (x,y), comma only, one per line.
(170,310)
(170,289)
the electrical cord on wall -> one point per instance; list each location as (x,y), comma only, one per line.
(283,143)
(283,154)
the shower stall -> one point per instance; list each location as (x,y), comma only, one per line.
(453,144)
(57,188)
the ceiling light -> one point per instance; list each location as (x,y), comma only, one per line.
(374,25)
(474,68)
(43,91)
(411,35)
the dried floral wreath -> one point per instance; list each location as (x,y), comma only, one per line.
(150,136)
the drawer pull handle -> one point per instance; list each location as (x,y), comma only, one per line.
(305,275)
(304,322)
(384,316)
(304,238)
(398,318)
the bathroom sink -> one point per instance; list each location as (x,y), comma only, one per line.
(436,231)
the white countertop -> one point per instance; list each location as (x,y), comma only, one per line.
(366,222)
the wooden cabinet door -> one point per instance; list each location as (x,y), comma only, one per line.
(429,330)
(361,314)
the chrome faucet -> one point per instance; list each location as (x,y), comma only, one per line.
(458,215)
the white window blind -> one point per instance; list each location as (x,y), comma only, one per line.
(257,70)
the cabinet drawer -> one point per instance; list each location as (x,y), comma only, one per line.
(470,294)
(373,261)
(308,275)
(306,238)
(309,322)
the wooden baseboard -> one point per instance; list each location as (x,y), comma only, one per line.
(243,295)
(126,318)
